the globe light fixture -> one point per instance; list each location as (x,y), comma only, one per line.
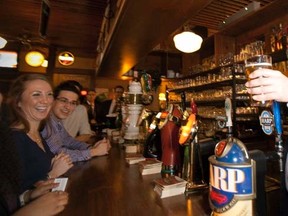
(34,58)
(3,42)
(187,41)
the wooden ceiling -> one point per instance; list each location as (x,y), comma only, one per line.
(72,24)
(213,15)
(142,25)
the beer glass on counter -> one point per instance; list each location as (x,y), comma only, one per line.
(254,63)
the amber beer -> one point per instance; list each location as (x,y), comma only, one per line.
(255,63)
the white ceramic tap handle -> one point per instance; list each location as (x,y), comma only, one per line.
(228,109)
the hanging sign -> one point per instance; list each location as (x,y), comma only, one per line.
(66,58)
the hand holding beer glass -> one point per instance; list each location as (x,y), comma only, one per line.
(255,63)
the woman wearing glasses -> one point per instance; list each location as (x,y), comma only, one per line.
(66,97)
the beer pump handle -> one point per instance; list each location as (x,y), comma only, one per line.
(277,117)
(193,107)
(183,100)
(186,130)
(228,110)
(278,138)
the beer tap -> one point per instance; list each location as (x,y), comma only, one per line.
(278,136)
(189,137)
(232,174)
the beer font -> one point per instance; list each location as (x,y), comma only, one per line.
(232,175)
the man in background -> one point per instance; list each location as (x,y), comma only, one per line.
(108,107)
(118,94)
(90,106)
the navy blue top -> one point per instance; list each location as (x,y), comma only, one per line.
(36,163)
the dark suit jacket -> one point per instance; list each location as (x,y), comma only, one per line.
(90,111)
(101,110)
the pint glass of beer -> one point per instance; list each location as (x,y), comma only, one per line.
(254,63)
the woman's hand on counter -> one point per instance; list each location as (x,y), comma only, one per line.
(51,203)
(41,188)
(60,164)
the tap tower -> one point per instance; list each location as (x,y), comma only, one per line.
(232,175)
(134,107)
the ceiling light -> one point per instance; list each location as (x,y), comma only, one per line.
(187,41)
(34,58)
(3,42)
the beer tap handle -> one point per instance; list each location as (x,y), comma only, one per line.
(193,107)
(228,110)
(185,131)
(277,117)
(183,101)
(278,138)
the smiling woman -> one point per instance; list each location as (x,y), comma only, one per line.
(29,87)
(30,98)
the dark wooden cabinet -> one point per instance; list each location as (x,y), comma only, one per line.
(161,61)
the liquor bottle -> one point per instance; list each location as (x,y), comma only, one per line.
(285,37)
(279,36)
(273,40)
(232,176)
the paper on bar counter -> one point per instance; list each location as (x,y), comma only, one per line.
(169,186)
(133,158)
(150,166)
(163,193)
(170,182)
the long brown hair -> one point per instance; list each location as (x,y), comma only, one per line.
(14,97)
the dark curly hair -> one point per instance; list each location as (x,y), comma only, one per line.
(69,85)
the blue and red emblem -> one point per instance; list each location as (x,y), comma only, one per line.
(231,175)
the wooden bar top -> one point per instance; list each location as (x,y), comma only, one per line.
(107,185)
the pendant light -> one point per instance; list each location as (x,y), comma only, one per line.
(187,41)
(34,58)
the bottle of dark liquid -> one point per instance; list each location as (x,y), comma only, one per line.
(273,40)
(279,36)
(285,37)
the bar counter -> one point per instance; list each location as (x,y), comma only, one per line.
(107,185)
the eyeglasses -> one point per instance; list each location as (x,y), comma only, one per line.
(66,102)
